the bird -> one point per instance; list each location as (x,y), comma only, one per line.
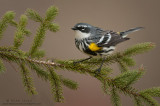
(96,42)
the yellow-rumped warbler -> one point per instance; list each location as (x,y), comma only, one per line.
(94,41)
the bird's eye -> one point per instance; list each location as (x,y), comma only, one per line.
(82,28)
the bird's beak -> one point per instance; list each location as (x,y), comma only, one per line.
(74,28)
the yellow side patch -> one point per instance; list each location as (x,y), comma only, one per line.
(118,33)
(94,47)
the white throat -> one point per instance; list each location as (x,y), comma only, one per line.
(80,35)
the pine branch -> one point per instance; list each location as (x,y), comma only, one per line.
(69,83)
(105,87)
(139,48)
(51,13)
(155,91)
(81,68)
(19,35)
(149,100)
(13,50)
(40,71)
(53,27)
(15,24)
(128,61)
(32,14)
(27,80)
(138,101)
(123,66)
(127,78)
(115,97)
(45,75)
(56,85)
(38,40)
(45,24)
(38,54)
(8,16)
(60,64)
(134,93)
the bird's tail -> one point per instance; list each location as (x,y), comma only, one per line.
(125,33)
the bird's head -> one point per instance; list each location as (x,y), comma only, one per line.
(82,27)
(83,30)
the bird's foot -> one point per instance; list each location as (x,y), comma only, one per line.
(97,71)
(75,62)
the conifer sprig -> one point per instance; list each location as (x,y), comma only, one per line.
(27,80)
(127,78)
(19,35)
(8,17)
(45,69)
(120,83)
(32,14)
(46,24)
(56,85)
(115,98)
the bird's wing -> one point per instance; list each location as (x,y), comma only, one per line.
(110,39)
(99,37)
(106,38)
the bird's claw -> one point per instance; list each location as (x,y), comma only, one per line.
(75,62)
(97,71)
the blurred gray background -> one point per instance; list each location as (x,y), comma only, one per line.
(117,15)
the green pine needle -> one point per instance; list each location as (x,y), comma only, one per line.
(105,87)
(19,38)
(56,86)
(115,97)
(27,80)
(53,27)
(19,35)
(38,39)
(127,78)
(69,83)
(23,21)
(106,71)
(123,66)
(155,91)
(32,14)
(138,101)
(139,48)
(149,100)
(8,16)
(41,31)
(128,61)
(27,32)
(51,13)
(38,54)
(13,23)
(40,71)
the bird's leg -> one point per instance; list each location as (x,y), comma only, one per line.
(99,69)
(75,62)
